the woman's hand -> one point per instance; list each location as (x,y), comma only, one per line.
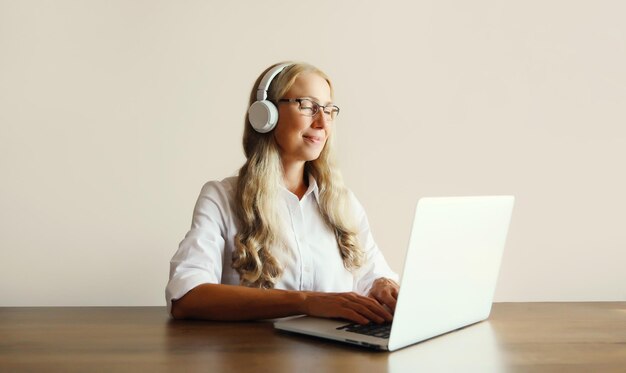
(350,306)
(385,291)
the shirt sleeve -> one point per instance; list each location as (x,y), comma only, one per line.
(200,254)
(374,266)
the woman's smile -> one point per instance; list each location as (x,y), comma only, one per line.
(313,139)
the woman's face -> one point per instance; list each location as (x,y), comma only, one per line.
(300,137)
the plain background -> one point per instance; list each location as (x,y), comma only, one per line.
(114,114)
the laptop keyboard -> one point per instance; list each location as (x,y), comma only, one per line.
(371,329)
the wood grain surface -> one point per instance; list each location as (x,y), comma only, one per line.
(518,337)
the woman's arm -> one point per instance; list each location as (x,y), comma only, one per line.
(230,302)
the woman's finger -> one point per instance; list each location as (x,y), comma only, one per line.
(366,312)
(354,316)
(387,299)
(374,306)
(394,292)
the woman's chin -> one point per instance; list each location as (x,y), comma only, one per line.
(312,156)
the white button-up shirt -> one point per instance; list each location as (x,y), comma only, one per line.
(311,258)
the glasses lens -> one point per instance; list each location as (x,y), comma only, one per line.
(308,107)
(331,112)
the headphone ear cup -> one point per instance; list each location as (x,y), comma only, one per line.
(263,116)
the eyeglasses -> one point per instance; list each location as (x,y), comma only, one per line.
(309,107)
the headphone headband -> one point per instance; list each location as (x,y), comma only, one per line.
(261,93)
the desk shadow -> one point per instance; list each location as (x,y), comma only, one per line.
(471,349)
(257,346)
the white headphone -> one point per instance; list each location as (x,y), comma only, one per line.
(263,114)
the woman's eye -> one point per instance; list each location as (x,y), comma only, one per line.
(308,107)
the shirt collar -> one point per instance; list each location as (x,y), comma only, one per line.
(313,188)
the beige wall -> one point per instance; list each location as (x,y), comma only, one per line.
(114,113)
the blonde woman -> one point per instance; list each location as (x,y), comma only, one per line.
(284,237)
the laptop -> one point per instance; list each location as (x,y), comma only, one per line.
(449,277)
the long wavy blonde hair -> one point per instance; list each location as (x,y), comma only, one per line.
(256,198)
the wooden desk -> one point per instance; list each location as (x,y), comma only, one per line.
(518,337)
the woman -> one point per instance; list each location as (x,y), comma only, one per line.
(285,228)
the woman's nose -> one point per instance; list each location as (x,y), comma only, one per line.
(320,119)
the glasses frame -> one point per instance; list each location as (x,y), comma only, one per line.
(316,106)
